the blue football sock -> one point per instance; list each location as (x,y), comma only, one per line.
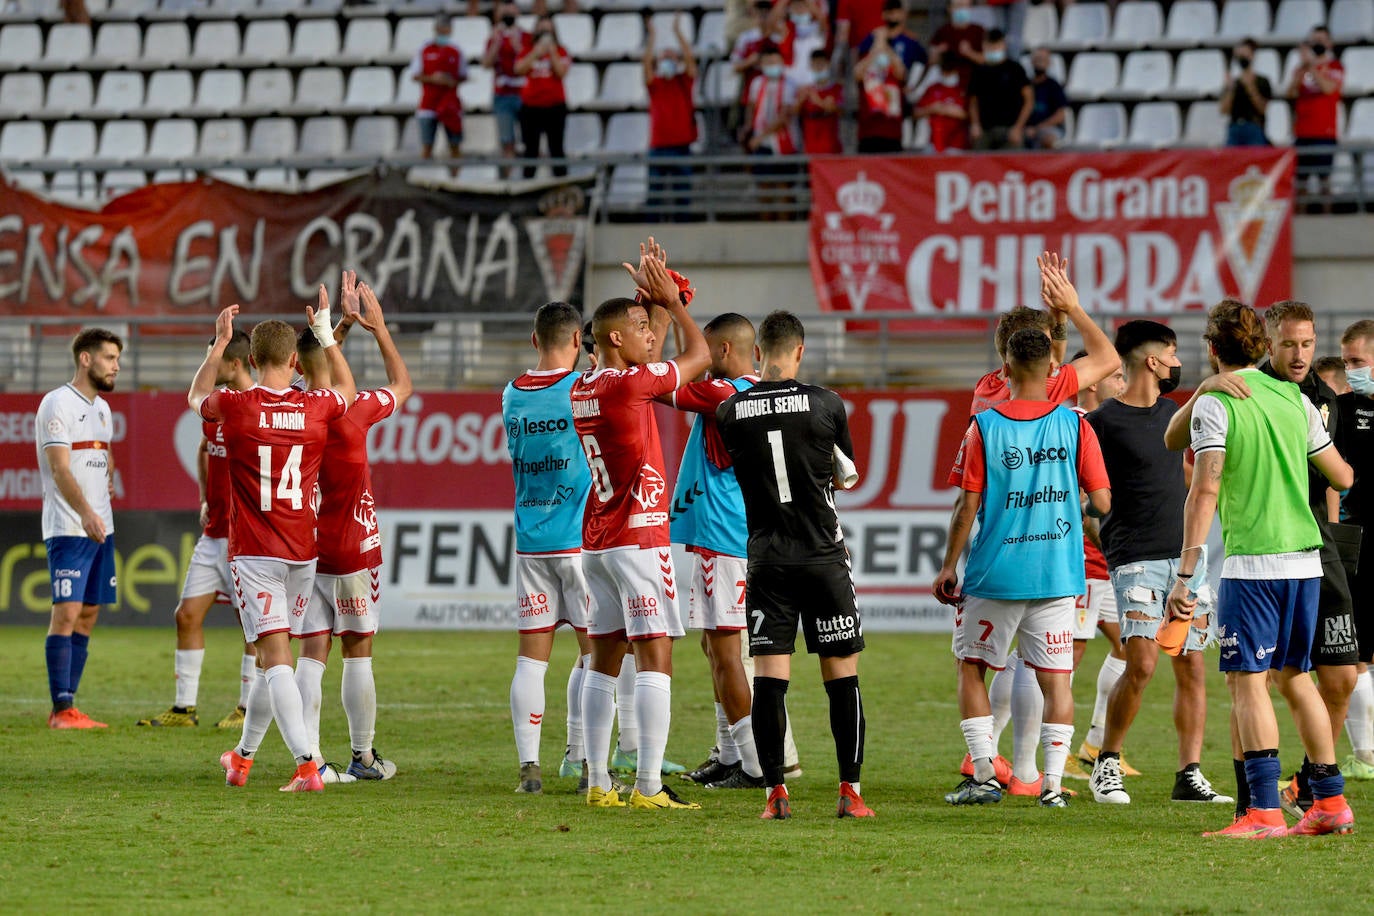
(80,643)
(1326,780)
(1262,775)
(59,653)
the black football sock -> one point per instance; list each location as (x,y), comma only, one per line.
(769,718)
(847,725)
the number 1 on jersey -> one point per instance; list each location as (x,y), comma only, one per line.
(289,487)
(779,466)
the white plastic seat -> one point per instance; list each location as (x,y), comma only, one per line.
(323,136)
(711,41)
(1058,70)
(21,141)
(72,140)
(1243,19)
(1268,65)
(1155,124)
(231,175)
(1136,24)
(629,187)
(68,44)
(130,9)
(75,186)
(20,43)
(272,138)
(576,32)
(375,135)
(1101,124)
(166,42)
(412,33)
(1295,18)
(1351,20)
(319,89)
(1042,25)
(663,29)
(1146,74)
(115,182)
(470,34)
(582,137)
(123,140)
(117,43)
(622,86)
(315,41)
(1204,125)
(619,35)
(28,179)
(627,132)
(276,178)
(366,40)
(479,136)
(1190,23)
(1359,71)
(119,92)
(216,43)
(407,93)
(1084,25)
(1360,126)
(318,178)
(369,88)
(222,138)
(1199,73)
(173,138)
(20,94)
(218,91)
(475,92)
(70,93)
(269,89)
(229,8)
(170,92)
(579,85)
(266,41)
(1278,123)
(1092,74)
(720,85)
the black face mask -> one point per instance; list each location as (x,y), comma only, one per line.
(508,21)
(1244,62)
(1319,50)
(1039,71)
(1169,384)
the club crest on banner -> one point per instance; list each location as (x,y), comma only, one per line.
(559,239)
(860,237)
(1250,220)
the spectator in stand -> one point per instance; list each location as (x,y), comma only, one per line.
(886,58)
(1245,97)
(1000,98)
(819,104)
(770,117)
(1045,129)
(855,20)
(543,102)
(669,76)
(959,41)
(768,28)
(808,30)
(1315,88)
(439,67)
(944,104)
(1011,19)
(504,48)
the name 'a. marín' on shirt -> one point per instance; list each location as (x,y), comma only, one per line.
(786,403)
(274,420)
(588,408)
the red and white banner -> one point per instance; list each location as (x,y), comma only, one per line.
(1145,233)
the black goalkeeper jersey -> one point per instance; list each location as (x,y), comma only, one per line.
(781,436)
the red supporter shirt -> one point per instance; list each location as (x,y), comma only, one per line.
(432,59)
(970,473)
(821,129)
(275,442)
(946,132)
(543,87)
(951,36)
(992,389)
(1315,112)
(349,538)
(216,482)
(505,81)
(613,414)
(863,17)
(672,115)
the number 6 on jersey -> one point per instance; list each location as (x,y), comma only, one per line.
(601,477)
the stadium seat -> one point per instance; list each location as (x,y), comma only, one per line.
(22,141)
(20,94)
(622,86)
(75,186)
(407,94)
(173,138)
(266,41)
(221,139)
(170,92)
(272,138)
(318,178)
(1267,65)
(1291,62)
(470,34)
(369,88)
(68,44)
(475,91)
(1352,20)
(318,89)
(411,35)
(315,41)
(627,132)
(216,43)
(1083,25)
(24,10)
(1190,23)
(575,32)
(218,91)
(20,44)
(229,9)
(276,178)
(580,85)
(1359,71)
(130,9)
(1278,123)
(1199,73)
(1361,123)
(232,175)
(124,141)
(28,179)
(69,94)
(1204,125)
(117,44)
(1295,18)
(366,40)
(629,187)
(1146,74)
(583,135)
(269,90)
(114,182)
(711,36)
(375,135)
(1092,74)
(663,29)
(1243,19)
(479,136)
(619,35)
(720,85)
(1101,124)
(1155,124)
(72,140)
(166,42)
(1042,25)
(1136,24)
(323,137)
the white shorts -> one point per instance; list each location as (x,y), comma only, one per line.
(208,571)
(270,594)
(633,592)
(550,590)
(1043,629)
(341,604)
(716,601)
(1097,606)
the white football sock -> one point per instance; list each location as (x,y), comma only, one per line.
(579,671)
(978,738)
(1027,707)
(1055,739)
(742,739)
(257,714)
(358,691)
(248,666)
(790,758)
(527,706)
(187,664)
(598,711)
(1358,723)
(1107,676)
(628,739)
(309,684)
(726,746)
(999,696)
(286,709)
(654,709)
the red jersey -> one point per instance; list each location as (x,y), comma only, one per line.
(275,443)
(614,417)
(672,114)
(992,389)
(216,482)
(433,59)
(970,472)
(770,100)
(1315,112)
(1094,562)
(508,46)
(863,17)
(348,534)
(946,132)
(820,129)
(543,87)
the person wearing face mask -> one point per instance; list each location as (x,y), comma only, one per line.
(887,58)
(771,129)
(543,101)
(1140,539)
(819,102)
(1244,98)
(960,41)
(944,105)
(1315,89)
(1000,98)
(439,67)
(1045,127)
(503,51)
(770,27)
(807,29)
(669,76)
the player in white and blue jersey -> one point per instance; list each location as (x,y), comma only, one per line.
(551,486)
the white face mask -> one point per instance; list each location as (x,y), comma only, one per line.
(1360,381)
(667,68)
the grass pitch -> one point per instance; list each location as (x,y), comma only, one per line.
(135,818)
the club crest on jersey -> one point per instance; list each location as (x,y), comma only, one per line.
(366,512)
(659,369)
(649,489)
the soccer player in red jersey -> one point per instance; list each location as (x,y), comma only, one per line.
(625,542)
(347,588)
(274,437)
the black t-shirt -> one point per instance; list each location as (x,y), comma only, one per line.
(1355,441)
(1049,98)
(1242,108)
(997,87)
(1324,399)
(1148,490)
(780,436)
